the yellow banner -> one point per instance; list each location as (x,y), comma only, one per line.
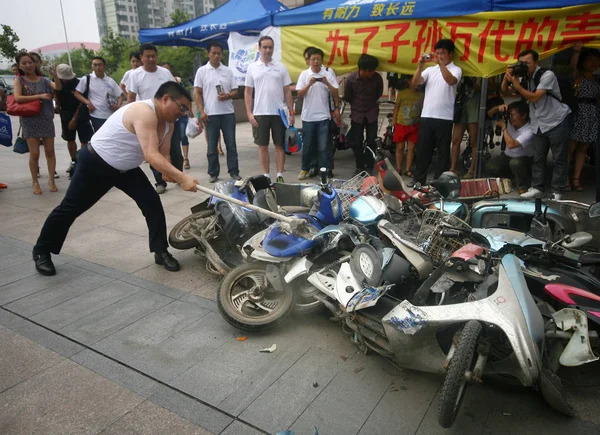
(485,43)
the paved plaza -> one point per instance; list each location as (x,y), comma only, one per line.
(115,344)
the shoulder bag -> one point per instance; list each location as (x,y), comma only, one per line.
(31,108)
(20,146)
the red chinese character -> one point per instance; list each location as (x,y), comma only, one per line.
(531,33)
(426,38)
(335,50)
(585,27)
(467,36)
(499,33)
(397,42)
(372,31)
(483,37)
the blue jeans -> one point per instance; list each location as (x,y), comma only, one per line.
(182,124)
(314,136)
(226,124)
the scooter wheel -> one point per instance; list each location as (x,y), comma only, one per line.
(249,302)
(455,384)
(181,237)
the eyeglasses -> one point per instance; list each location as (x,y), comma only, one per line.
(183,108)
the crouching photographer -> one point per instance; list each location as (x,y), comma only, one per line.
(549,120)
(517,157)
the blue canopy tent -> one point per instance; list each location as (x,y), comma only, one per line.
(318,13)
(244,16)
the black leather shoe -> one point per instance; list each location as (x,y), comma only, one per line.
(44,265)
(167,260)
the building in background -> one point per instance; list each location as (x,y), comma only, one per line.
(120,16)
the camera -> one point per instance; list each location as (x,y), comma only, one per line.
(504,116)
(318,79)
(520,69)
(427,57)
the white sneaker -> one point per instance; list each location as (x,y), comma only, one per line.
(533,193)
(556,196)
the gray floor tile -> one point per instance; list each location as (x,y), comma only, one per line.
(14,258)
(102,270)
(151,419)
(192,410)
(201,302)
(115,372)
(36,282)
(65,399)
(153,286)
(16,273)
(112,318)
(16,243)
(139,337)
(239,428)
(52,296)
(346,403)
(185,349)
(234,375)
(77,308)
(284,401)
(21,358)
(39,334)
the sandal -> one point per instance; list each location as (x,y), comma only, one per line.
(186,164)
(578,187)
(53,187)
(409,174)
(468,176)
(37,190)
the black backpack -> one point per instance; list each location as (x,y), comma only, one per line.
(566,90)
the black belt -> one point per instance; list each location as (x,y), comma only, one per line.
(94,153)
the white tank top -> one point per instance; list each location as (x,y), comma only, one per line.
(119,147)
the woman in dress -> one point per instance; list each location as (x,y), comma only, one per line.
(31,86)
(585,123)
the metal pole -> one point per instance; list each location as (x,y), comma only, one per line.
(66,38)
(288,220)
(481,128)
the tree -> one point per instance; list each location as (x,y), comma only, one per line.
(179,17)
(81,60)
(8,42)
(115,50)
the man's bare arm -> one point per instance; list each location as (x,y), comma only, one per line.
(131,96)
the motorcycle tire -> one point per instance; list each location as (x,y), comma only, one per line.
(455,384)
(179,237)
(269,308)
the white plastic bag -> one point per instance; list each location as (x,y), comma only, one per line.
(193,129)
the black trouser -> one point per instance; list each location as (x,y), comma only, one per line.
(433,133)
(174,153)
(92,179)
(364,158)
(97,123)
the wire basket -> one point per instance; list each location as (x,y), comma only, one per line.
(362,184)
(408,224)
(430,238)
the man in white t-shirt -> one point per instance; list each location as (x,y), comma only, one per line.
(438,108)
(136,62)
(214,89)
(103,96)
(271,83)
(143,84)
(316,85)
(519,138)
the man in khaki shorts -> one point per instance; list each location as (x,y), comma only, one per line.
(270,81)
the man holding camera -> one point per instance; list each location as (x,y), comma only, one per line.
(316,85)
(549,121)
(517,134)
(437,116)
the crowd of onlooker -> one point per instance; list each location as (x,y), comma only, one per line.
(433,109)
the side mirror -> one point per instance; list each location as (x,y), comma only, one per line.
(577,240)
(594,210)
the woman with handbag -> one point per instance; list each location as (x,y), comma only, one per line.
(33,94)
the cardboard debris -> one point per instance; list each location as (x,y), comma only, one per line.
(271,349)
